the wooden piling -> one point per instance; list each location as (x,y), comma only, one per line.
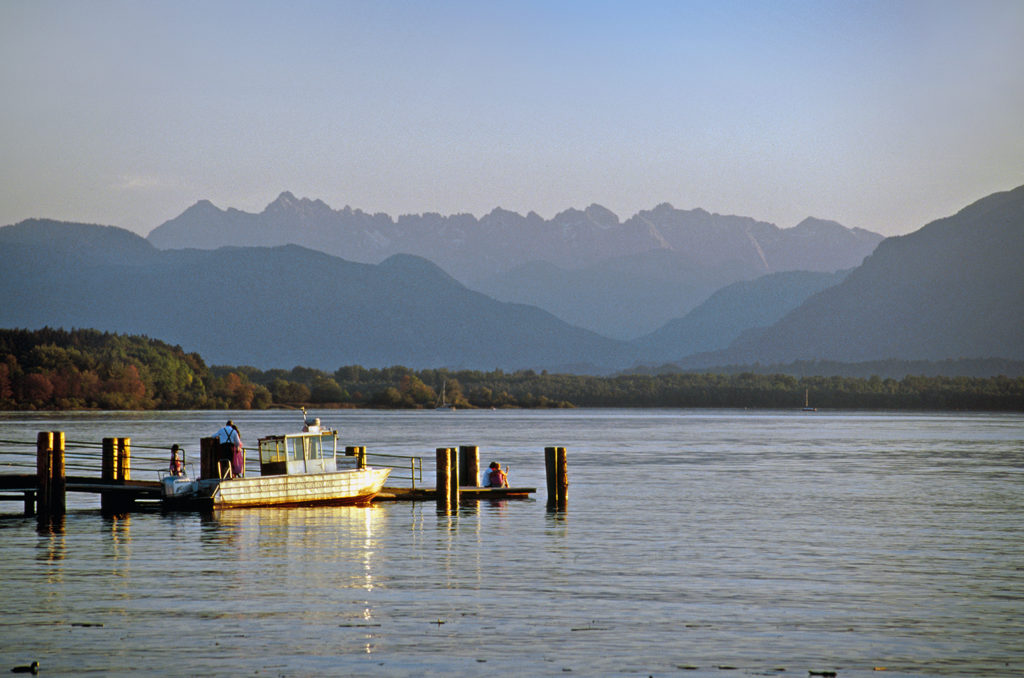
(58,479)
(208,458)
(562,477)
(443,487)
(359,452)
(549,468)
(115,465)
(469,465)
(107,459)
(44,443)
(557,476)
(453,473)
(50,479)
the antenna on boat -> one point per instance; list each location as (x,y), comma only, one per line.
(307,425)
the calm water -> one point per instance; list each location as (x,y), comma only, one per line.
(694,541)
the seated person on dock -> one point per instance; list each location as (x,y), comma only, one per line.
(495,477)
(177,465)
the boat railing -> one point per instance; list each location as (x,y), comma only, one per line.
(411,470)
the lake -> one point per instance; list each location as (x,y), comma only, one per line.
(695,542)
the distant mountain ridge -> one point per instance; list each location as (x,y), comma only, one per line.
(951,290)
(280,306)
(470,248)
(621,279)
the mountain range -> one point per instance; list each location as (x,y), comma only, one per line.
(277,306)
(950,290)
(619,279)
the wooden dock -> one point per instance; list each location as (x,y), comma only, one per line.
(43,493)
(465,493)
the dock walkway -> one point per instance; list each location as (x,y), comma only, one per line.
(44,492)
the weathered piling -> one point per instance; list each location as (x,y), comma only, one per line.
(359,452)
(443,485)
(116,460)
(453,473)
(50,478)
(557,476)
(447,470)
(469,465)
(115,465)
(58,478)
(43,461)
(208,458)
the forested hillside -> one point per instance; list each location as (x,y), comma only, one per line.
(87,369)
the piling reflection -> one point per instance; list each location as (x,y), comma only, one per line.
(47,526)
(52,547)
(558,519)
(119,526)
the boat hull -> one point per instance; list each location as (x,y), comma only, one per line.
(357,486)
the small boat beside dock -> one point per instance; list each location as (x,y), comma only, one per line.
(296,469)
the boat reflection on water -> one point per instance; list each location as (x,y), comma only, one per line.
(332,546)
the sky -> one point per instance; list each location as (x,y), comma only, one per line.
(880,115)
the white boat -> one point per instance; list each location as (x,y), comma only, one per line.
(297,469)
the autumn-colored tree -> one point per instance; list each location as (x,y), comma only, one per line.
(414,392)
(37,389)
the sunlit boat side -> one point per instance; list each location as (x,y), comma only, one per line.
(299,469)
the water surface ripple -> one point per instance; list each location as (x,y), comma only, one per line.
(694,543)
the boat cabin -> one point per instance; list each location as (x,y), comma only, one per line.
(313,451)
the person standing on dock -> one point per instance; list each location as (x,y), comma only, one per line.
(227,438)
(237,455)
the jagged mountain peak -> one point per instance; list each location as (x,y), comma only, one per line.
(287,202)
(501,213)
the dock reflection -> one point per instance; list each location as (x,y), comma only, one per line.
(330,546)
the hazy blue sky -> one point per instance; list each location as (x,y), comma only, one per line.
(883,115)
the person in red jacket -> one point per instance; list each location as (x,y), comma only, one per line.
(177,465)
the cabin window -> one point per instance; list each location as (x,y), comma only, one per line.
(272,450)
(309,447)
(297,451)
(323,447)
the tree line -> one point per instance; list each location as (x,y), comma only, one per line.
(54,369)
